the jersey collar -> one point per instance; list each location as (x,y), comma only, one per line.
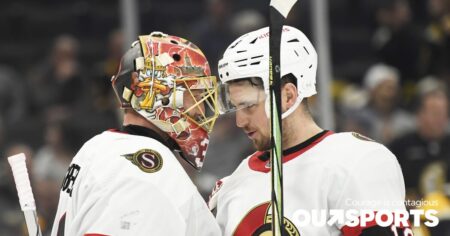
(259,161)
(143,131)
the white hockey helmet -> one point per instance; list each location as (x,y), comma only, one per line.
(248,56)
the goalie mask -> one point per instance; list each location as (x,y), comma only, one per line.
(167,80)
(248,57)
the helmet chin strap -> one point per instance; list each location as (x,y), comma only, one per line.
(292,109)
(286,113)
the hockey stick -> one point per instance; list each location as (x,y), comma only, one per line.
(26,198)
(278,11)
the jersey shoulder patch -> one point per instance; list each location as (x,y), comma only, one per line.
(148,160)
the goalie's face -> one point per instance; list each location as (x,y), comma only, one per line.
(248,101)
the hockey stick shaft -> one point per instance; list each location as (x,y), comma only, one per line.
(276,23)
(278,12)
(24,191)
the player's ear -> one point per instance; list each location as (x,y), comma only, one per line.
(289,96)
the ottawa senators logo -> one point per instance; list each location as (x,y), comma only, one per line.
(147,160)
(258,222)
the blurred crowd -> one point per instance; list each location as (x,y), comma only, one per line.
(391,74)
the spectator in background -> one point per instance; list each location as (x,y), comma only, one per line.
(100,86)
(50,166)
(430,142)
(383,119)
(12,96)
(438,38)
(52,159)
(424,155)
(12,103)
(396,42)
(15,125)
(55,85)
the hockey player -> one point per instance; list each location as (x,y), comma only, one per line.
(322,170)
(129,181)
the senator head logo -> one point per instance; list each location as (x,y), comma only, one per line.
(258,222)
(147,160)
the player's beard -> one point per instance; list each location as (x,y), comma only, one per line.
(262,143)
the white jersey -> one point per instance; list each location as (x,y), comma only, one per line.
(329,171)
(123,184)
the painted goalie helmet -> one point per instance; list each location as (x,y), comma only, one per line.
(248,57)
(167,80)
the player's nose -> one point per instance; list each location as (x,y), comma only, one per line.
(241,119)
